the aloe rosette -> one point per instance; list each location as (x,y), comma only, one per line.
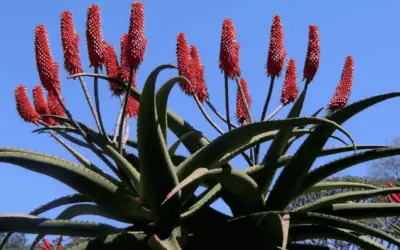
(152,187)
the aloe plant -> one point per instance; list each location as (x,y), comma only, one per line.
(153,187)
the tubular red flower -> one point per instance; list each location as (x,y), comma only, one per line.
(40,104)
(54,105)
(395,198)
(44,60)
(184,64)
(199,84)
(137,43)
(276,52)
(94,36)
(343,90)
(290,90)
(229,50)
(124,68)
(132,108)
(70,44)
(313,54)
(24,106)
(389,199)
(112,68)
(241,112)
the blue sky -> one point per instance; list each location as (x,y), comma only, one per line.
(367,31)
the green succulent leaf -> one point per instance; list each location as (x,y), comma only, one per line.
(271,228)
(336,166)
(158,175)
(346,196)
(65,200)
(306,232)
(175,241)
(174,147)
(206,199)
(36,225)
(83,180)
(81,209)
(120,241)
(328,220)
(297,169)
(209,155)
(322,186)
(296,246)
(362,210)
(236,182)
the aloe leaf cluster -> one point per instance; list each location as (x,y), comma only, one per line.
(153,186)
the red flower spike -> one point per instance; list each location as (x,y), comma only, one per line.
(112,68)
(132,108)
(390,185)
(94,36)
(229,50)
(276,52)
(313,54)
(70,44)
(389,199)
(290,90)
(137,43)
(47,243)
(343,90)
(184,64)
(124,66)
(198,75)
(395,198)
(24,106)
(40,104)
(241,112)
(44,60)
(54,105)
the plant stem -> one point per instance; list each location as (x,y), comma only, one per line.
(196,99)
(89,101)
(274,112)
(246,105)
(220,116)
(263,114)
(228,117)
(97,101)
(127,93)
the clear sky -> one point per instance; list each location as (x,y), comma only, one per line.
(366,30)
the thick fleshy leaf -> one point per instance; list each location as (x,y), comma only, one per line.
(36,225)
(158,175)
(362,210)
(328,220)
(65,200)
(120,241)
(306,232)
(297,169)
(78,210)
(270,227)
(176,144)
(176,241)
(162,102)
(81,179)
(236,182)
(322,186)
(207,198)
(278,146)
(297,246)
(346,196)
(209,155)
(336,166)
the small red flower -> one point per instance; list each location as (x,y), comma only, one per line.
(44,60)
(313,54)
(48,246)
(54,105)
(94,36)
(393,197)
(40,104)
(241,112)
(198,75)
(290,90)
(112,68)
(137,43)
(24,106)
(276,52)
(343,90)
(70,44)
(229,50)
(184,64)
